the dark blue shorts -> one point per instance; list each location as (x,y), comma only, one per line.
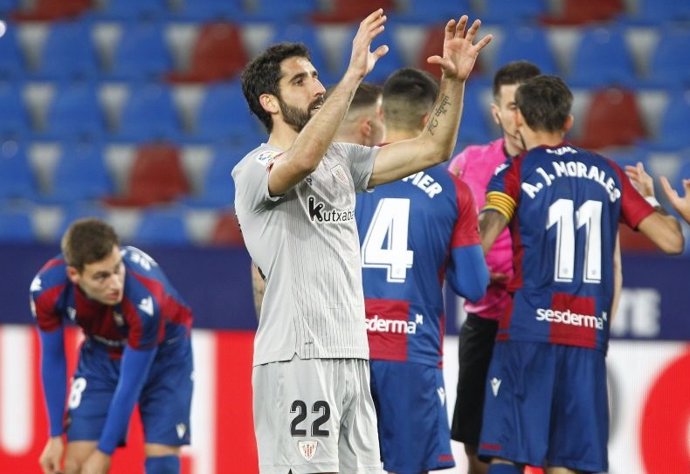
(164,403)
(410,402)
(546,405)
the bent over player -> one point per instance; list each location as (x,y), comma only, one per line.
(136,349)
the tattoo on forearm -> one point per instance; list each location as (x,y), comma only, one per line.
(441,109)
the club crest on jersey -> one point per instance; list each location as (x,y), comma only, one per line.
(307,449)
(181,429)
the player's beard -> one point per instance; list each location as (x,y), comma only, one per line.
(297,118)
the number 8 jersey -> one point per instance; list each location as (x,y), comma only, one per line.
(564,205)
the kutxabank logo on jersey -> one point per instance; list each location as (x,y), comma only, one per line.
(319,212)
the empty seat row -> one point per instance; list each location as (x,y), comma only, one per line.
(219,114)
(152,174)
(164,226)
(143,112)
(600,56)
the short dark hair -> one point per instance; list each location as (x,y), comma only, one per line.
(408,94)
(515,72)
(262,75)
(366,94)
(545,102)
(87,241)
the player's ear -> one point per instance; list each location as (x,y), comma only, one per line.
(270,103)
(365,128)
(73,274)
(494,114)
(568,123)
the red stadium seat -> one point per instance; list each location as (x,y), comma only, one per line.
(218,55)
(227,232)
(612,119)
(50,10)
(347,11)
(157,176)
(577,12)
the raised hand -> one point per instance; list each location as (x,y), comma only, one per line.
(680,204)
(640,179)
(362,59)
(459,50)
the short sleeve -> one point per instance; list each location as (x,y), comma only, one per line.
(503,191)
(251,179)
(466,229)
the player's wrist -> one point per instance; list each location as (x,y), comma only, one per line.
(653,202)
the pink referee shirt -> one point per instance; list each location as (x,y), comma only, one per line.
(476,165)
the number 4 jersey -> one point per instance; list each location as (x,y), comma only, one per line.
(408,230)
(564,205)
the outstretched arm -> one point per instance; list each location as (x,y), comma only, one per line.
(435,144)
(303,157)
(491,224)
(660,227)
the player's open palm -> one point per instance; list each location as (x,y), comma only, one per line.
(459,50)
(362,60)
(640,179)
(52,456)
(680,204)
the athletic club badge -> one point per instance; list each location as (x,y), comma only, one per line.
(307,449)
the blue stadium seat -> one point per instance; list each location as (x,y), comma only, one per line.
(527,43)
(656,12)
(121,10)
(16,227)
(474,125)
(209,10)
(7,6)
(81,174)
(16,175)
(75,113)
(629,156)
(432,12)
(77,210)
(511,11)
(669,65)
(673,132)
(161,227)
(141,53)
(602,58)
(149,113)
(218,189)
(308,34)
(14,117)
(280,11)
(224,116)
(12,62)
(68,53)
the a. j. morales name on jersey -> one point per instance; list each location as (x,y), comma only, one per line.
(570,169)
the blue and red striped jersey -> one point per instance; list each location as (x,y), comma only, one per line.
(150,312)
(408,230)
(564,204)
